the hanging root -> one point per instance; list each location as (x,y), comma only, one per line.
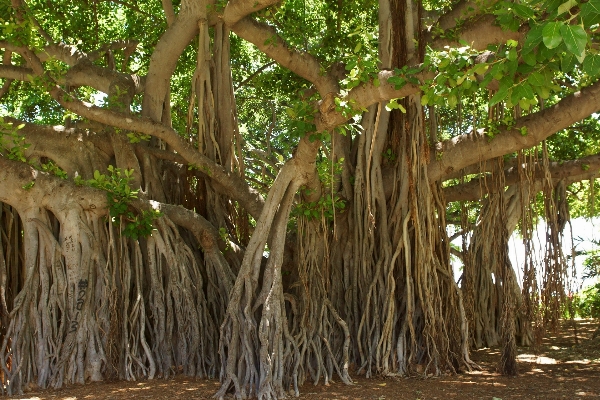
(91,304)
(241,336)
(323,335)
(412,318)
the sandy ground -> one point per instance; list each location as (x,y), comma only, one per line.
(563,369)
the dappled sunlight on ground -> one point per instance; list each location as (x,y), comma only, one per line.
(565,368)
(532,358)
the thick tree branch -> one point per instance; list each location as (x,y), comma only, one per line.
(269,42)
(462,11)
(45,190)
(103,79)
(232,184)
(57,194)
(82,73)
(235,10)
(30,57)
(86,150)
(478,168)
(362,97)
(166,54)
(127,45)
(478,34)
(169,12)
(68,54)
(572,171)
(468,149)
(16,73)
(6,57)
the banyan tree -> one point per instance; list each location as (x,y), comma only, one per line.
(265,192)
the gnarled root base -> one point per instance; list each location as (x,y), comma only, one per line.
(88,304)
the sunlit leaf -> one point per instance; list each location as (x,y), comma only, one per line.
(551,34)
(575,39)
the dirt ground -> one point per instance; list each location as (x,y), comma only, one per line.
(562,370)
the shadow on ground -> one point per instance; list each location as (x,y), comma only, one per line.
(566,367)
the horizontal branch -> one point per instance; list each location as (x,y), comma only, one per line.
(480,168)
(478,33)
(235,10)
(233,184)
(363,96)
(571,171)
(463,10)
(16,73)
(76,151)
(103,79)
(127,45)
(71,55)
(471,148)
(24,186)
(29,56)
(82,72)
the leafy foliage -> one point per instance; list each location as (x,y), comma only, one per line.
(119,194)
(586,304)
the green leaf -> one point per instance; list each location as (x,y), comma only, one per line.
(590,12)
(524,104)
(480,69)
(452,101)
(524,69)
(523,11)
(536,79)
(521,91)
(575,39)
(533,38)
(512,43)
(500,95)
(567,63)
(516,95)
(566,6)
(591,65)
(551,34)
(543,91)
(544,53)
(397,81)
(394,105)
(529,58)
(512,66)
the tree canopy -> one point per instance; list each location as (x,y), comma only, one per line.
(265,191)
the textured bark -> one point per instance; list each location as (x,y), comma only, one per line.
(367,290)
